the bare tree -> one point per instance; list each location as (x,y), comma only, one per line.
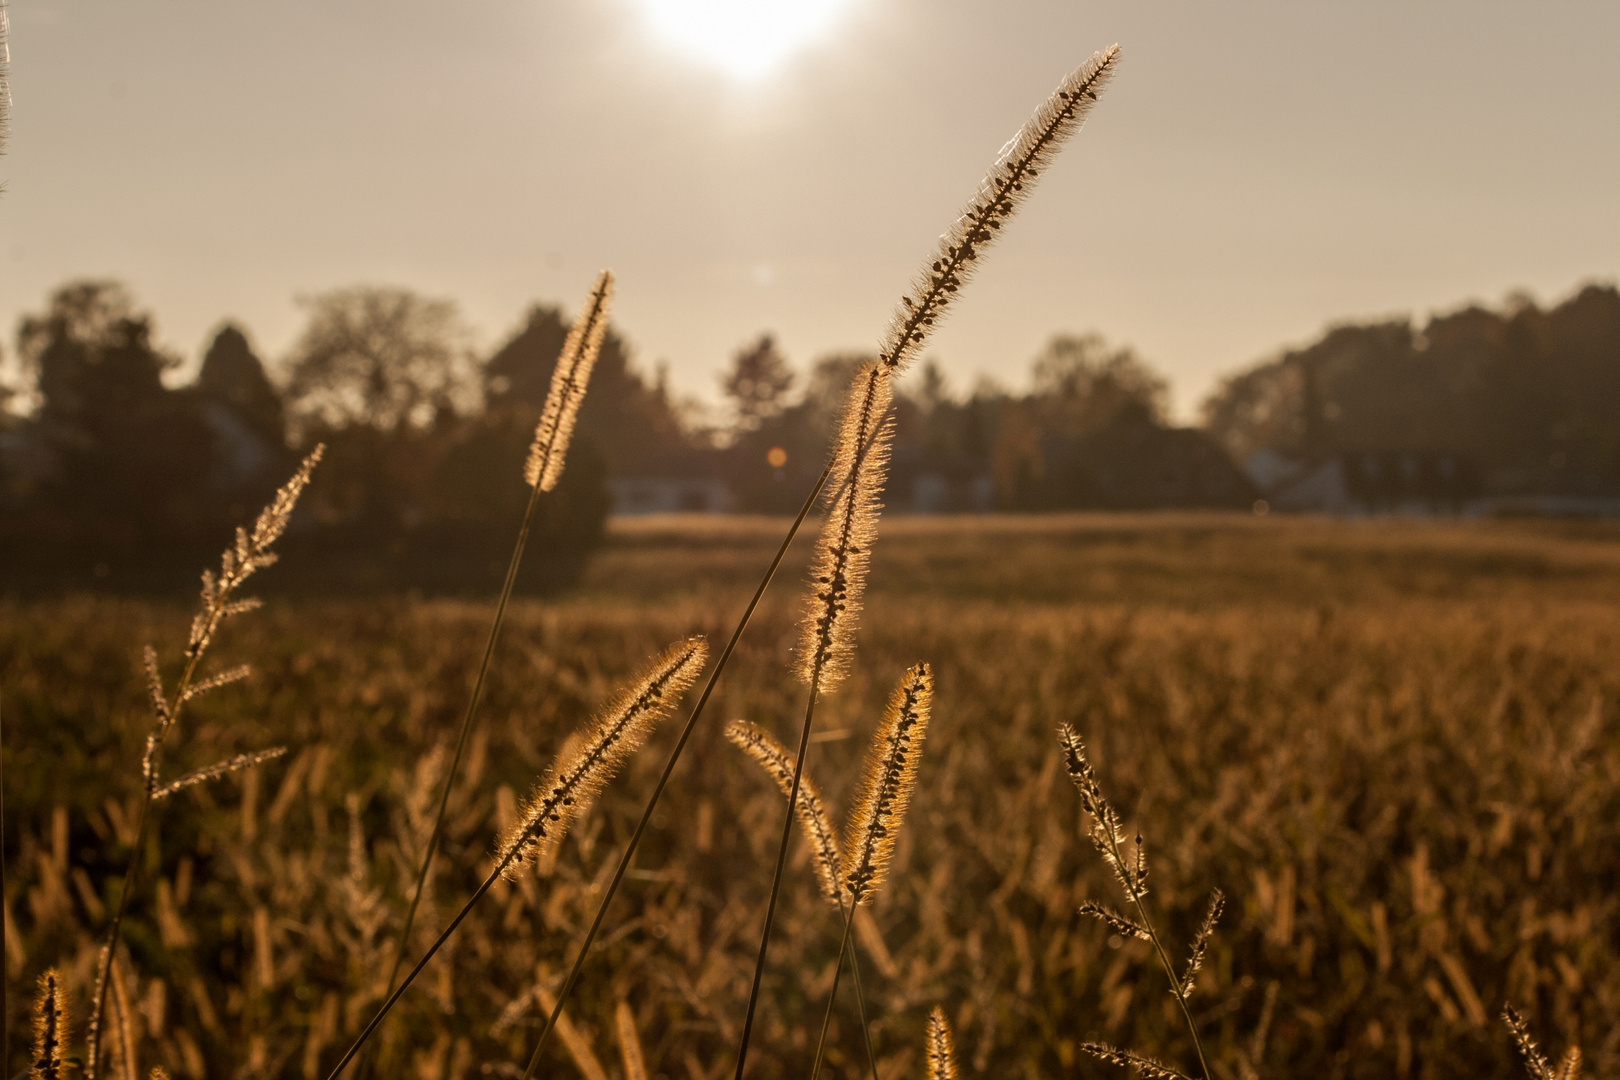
(385,358)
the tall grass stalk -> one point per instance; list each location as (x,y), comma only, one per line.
(879,809)
(579,772)
(1035,144)
(825,855)
(669,769)
(1108,835)
(250,553)
(541,471)
(837,580)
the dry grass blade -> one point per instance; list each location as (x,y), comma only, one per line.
(1153,1070)
(1217,902)
(844,549)
(610,739)
(124,1047)
(778,764)
(999,195)
(575,1041)
(941,1047)
(624,1025)
(50,1026)
(218,769)
(568,381)
(886,786)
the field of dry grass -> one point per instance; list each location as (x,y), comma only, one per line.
(1392,744)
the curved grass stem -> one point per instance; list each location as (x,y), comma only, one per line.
(832,996)
(404,936)
(669,769)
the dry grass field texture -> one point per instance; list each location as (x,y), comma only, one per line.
(1389,743)
(1173,796)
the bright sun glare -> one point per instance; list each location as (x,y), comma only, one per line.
(746,38)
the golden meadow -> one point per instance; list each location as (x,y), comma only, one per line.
(1390,743)
(1385,742)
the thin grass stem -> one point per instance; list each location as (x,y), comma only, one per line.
(669,769)
(461,739)
(832,997)
(860,1003)
(776,877)
(444,936)
(1135,895)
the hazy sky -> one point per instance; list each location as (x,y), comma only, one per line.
(1256,170)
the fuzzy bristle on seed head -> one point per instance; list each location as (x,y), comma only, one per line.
(941,1047)
(1206,930)
(50,1026)
(886,786)
(577,776)
(568,382)
(778,764)
(1146,1067)
(844,548)
(1007,185)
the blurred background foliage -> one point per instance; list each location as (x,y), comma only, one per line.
(115,474)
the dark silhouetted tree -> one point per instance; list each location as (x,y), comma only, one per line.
(131,457)
(233,376)
(757,384)
(380,357)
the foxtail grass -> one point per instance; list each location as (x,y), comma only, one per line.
(1039,139)
(1107,834)
(1535,1062)
(543,468)
(837,579)
(250,553)
(669,770)
(941,1047)
(826,857)
(879,809)
(577,774)
(50,1027)
(998,197)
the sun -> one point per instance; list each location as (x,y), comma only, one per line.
(745,38)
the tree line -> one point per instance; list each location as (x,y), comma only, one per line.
(108,470)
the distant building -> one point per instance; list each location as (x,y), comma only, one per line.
(930,482)
(1351,482)
(1135,465)
(685,483)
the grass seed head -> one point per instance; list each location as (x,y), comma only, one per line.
(844,549)
(50,1026)
(778,763)
(999,195)
(941,1047)
(886,786)
(568,382)
(578,775)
